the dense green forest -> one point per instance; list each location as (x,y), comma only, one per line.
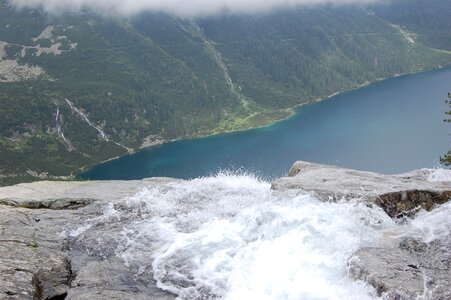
(77,89)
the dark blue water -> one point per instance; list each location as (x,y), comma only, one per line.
(390,127)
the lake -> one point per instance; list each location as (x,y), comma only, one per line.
(391,126)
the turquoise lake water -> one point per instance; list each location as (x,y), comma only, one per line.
(392,126)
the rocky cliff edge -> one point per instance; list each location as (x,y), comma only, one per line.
(39,260)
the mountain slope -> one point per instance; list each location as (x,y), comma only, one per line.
(429,20)
(81,88)
(313,53)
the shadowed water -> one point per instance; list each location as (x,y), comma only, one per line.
(390,127)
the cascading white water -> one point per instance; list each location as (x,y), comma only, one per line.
(232,237)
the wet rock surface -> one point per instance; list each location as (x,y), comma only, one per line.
(38,260)
(111,279)
(41,257)
(411,269)
(408,269)
(408,203)
(399,195)
(33,260)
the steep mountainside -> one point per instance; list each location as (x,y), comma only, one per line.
(429,20)
(81,88)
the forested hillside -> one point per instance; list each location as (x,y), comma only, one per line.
(429,20)
(76,89)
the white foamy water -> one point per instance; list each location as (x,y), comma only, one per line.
(439,175)
(231,237)
(431,226)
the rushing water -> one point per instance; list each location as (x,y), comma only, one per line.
(232,237)
(391,126)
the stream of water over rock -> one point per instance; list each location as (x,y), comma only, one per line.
(230,236)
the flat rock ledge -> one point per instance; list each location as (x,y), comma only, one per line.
(399,195)
(410,270)
(38,261)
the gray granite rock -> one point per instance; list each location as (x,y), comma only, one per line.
(398,195)
(111,279)
(33,263)
(99,293)
(39,260)
(72,194)
(411,269)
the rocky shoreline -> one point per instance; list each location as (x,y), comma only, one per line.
(43,257)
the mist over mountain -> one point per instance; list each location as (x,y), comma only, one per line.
(81,87)
(192,8)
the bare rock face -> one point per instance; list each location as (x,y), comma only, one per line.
(398,195)
(110,279)
(39,259)
(33,264)
(411,269)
